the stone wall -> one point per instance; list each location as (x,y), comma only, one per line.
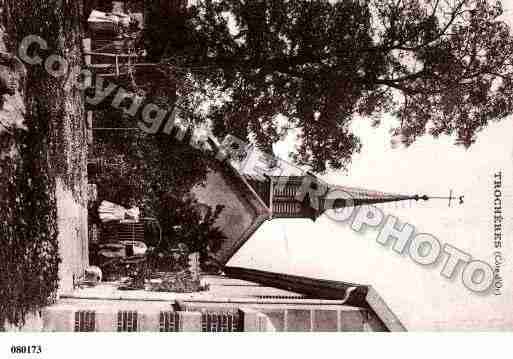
(43,147)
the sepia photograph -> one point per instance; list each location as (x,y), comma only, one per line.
(254,166)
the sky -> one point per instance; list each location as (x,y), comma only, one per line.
(420,297)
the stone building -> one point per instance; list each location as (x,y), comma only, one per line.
(239,299)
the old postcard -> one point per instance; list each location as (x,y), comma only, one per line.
(255,166)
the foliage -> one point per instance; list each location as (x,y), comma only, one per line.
(176,282)
(184,223)
(156,173)
(441,67)
(29,256)
(180,282)
(140,167)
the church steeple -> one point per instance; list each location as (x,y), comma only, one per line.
(291,192)
(291,197)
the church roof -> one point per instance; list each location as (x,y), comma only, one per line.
(278,193)
(352,294)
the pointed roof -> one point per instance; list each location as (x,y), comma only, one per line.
(244,210)
(293,193)
(268,187)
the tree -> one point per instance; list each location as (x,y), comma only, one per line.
(440,66)
(183,222)
(156,173)
(138,168)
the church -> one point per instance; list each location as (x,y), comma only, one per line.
(239,299)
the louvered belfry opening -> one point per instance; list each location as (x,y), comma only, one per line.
(285,202)
(283,195)
(279,193)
